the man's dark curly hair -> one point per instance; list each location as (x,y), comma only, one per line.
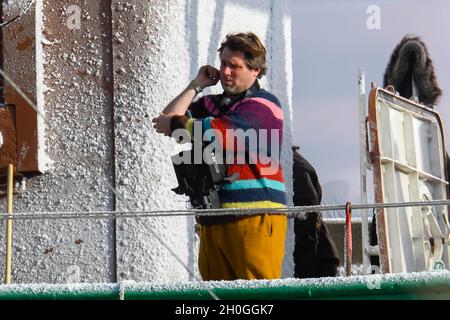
(251,46)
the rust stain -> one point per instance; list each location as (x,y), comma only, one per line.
(47,251)
(26,131)
(81,73)
(79,241)
(25,44)
(8,148)
(14,32)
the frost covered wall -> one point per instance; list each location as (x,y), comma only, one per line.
(73,80)
(103,82)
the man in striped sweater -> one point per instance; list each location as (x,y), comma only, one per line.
(245,126)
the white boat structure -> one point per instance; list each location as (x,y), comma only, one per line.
(406,152)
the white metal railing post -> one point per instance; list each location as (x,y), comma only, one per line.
(363,169)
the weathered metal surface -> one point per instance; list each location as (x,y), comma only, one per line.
(8,149)
(378,192)
(19,63)
(72,84)
(409,165)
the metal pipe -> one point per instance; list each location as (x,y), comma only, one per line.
(363,134)
(9,228)
(348,239)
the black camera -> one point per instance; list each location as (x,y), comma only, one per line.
(201,182)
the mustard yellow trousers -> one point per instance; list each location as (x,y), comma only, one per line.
(248,248)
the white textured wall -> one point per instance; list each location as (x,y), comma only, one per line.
(78,129)
(157,48)
(153,68)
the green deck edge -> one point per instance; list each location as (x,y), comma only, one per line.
(431,285)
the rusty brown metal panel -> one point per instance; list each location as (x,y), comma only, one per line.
(78,70)
(8,147)
(19,60)
(26,132)
(377,179)
(2,98)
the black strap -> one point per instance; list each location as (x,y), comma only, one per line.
(224,102)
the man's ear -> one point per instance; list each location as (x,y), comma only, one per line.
(257,72)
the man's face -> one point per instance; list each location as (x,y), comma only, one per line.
(235,76)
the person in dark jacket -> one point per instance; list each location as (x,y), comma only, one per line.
(315,253)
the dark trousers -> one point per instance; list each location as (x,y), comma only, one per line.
(314,252)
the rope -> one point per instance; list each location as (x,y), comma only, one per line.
(298,211)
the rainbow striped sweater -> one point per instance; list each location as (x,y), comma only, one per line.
(260,183)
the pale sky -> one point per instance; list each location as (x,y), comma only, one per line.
(330,41)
